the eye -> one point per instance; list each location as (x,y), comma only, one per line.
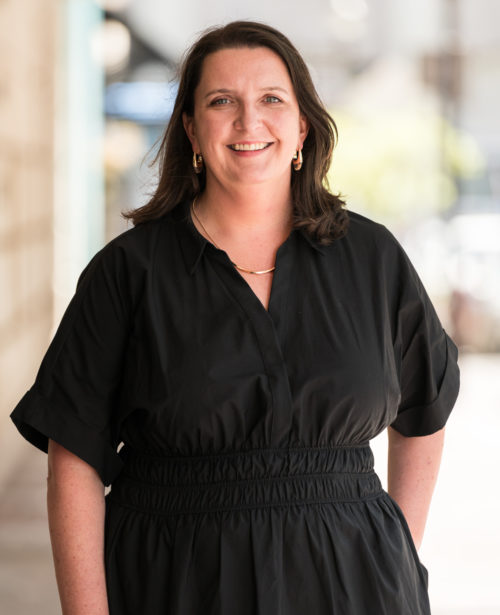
(220,101)
(272,99)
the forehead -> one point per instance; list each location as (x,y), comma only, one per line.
(243,66)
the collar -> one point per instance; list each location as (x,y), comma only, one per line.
(193,243)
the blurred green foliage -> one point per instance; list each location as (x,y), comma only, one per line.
(401,164)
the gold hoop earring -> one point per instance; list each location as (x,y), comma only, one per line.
(297,160)
(197,162)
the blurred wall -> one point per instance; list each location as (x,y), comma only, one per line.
(28,35)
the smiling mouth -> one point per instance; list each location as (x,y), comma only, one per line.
(248,147)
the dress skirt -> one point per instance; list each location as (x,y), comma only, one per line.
(261,532)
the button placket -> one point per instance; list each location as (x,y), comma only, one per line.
(267,325)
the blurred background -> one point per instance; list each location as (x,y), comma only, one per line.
(87,87)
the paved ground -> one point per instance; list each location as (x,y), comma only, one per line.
(27,583)
(461,548)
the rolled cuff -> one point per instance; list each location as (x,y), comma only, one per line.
(425,420)
(37,420)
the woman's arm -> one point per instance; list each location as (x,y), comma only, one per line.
(75,504)
(413,466)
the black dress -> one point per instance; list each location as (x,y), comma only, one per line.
(245,484)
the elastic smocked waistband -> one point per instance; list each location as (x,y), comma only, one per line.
(245,479)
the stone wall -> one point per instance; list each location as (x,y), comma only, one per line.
(28,42)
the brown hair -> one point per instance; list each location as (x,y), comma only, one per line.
(316,210)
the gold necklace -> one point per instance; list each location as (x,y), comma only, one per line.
(233,263)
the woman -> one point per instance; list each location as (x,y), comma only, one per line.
(245,341)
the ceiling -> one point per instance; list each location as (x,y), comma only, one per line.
(316,27)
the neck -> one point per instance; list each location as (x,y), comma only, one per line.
(255,209)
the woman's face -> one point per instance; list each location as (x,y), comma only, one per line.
(246,121)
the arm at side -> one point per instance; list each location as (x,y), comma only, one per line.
(75,504)
(413,466)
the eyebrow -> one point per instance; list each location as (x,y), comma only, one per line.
(227,91)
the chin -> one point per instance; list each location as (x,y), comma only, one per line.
(261,177)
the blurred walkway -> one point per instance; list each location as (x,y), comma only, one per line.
(27,582)
(461,548)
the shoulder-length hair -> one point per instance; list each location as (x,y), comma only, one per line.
(319,212)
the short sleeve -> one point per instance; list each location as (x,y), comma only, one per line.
(425,355)
(75,397)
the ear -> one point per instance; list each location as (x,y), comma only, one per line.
(303,130)
(188,122)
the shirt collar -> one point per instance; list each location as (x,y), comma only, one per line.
(193,243)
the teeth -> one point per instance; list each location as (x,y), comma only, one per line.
(248,147)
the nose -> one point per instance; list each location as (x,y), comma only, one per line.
(247,118)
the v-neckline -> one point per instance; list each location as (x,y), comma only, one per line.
(242,283)
(275,317)
(277,274)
